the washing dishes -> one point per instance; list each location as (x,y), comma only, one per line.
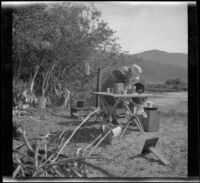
(129,76)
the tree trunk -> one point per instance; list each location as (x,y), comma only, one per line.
(37,67)
(42,102)
(67,98)
(46,79)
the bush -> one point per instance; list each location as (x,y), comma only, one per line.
(18,86)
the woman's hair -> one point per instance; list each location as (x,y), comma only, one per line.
(131,74)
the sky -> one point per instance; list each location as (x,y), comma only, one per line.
(143,26)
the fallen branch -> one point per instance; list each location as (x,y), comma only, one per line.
(22,170)
(99,142)
(76,172)
(92,142)
(59,173)
(18,147)
(86,119)
(99,169)
(16,171)
(42,162)
(27,143)
(36,157)
(45,149)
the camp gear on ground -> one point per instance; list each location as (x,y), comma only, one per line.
(149,146)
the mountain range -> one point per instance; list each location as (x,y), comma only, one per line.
(159,66)
(178,59)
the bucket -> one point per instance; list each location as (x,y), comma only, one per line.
(80,103)
(152,122)
(42,102)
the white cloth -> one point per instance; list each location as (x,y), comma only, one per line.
(142,112)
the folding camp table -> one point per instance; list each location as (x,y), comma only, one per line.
(123,99)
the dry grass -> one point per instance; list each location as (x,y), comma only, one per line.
(173,113)
(121,158)
(43,157)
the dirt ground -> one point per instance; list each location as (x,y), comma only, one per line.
(123,158)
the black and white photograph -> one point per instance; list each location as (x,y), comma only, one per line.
(99,90)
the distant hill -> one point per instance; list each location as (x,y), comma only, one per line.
(155,71)
(178,59)
(158,67)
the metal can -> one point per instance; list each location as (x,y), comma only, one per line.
(118,88)
(108,90)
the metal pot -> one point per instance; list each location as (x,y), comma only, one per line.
(118,88)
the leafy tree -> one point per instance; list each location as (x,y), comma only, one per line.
(61,38)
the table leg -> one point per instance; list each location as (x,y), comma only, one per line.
(109,110)
(126,127)
(139,125)
(137,121)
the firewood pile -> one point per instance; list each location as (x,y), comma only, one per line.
(44,157)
